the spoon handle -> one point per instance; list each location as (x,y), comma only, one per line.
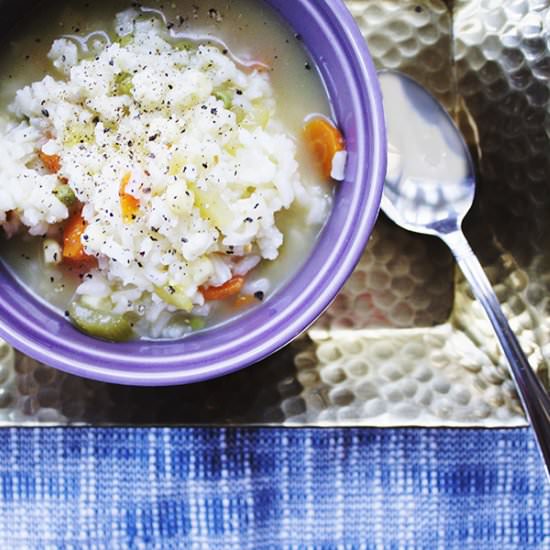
(535,399)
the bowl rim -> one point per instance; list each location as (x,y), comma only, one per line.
(128,366)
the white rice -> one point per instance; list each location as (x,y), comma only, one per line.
(209,179)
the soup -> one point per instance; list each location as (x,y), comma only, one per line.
(171,169)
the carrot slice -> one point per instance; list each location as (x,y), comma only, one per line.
(51,162)
(129,205)
(232,287)
(324,140)
(73,249)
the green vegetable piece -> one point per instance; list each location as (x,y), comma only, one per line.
(65,194)
(123,84)
(175,296)
(241,116)
(186,45)
(101,324)
(126,40)
(78,134)
(211,206)
(197,323)
(226,97)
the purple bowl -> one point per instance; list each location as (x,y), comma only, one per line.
(335,43)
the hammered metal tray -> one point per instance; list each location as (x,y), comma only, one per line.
(404,343)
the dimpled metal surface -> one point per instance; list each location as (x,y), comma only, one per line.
(404,343)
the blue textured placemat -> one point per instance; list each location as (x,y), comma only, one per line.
(271,488)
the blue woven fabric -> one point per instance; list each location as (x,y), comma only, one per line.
(271,488)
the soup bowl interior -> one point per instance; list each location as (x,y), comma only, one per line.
(337,47)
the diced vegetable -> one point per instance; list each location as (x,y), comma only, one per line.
(129,205)
(241,115)
(126,40)
(73,249)
(226,96)
(211,206)
(51,162)
(186,45)
(65,194)
(78,133)
(101,324)
(197,323)
(123,84)
(231,288)
(177,163)
(175,296)
(324,140)
(261,116)
(52,251)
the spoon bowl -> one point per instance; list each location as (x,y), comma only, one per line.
(430,187)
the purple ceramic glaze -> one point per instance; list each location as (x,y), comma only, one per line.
(335,43)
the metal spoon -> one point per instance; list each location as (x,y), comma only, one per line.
(430,187)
